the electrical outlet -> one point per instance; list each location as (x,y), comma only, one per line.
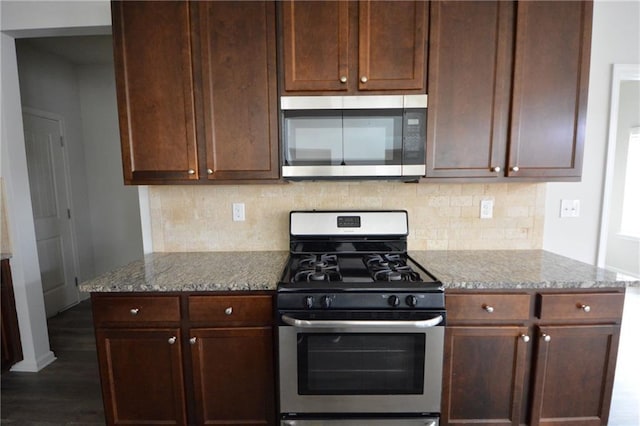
(486,209)
(238,212)
(570,208)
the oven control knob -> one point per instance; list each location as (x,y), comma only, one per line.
(394,301)
(308,302)
(325,302)
(412,301)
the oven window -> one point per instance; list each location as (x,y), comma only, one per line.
(361,363)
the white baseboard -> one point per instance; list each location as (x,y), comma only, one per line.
(33,366)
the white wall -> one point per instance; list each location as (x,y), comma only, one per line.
(615,39)
(48,83)
(22,18)
(115,213)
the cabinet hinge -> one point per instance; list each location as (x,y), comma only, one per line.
(61,141)
(69,213)
(76,280)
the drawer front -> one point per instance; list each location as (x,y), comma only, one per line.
(246,309)
(583,306)
(135,309)
(487,307)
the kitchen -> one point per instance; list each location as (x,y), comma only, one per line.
(530,205)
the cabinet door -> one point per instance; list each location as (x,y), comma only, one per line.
(392,45)
(483,375)
(551,78)
(238,65)
(141,375)
(470,51)
(567,391)
(152,46)
(233,375)
(315,36)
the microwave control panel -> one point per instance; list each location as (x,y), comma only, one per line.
(414,136)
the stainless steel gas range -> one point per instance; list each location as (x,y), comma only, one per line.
(361,324)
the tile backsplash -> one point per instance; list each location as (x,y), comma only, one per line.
(441,216)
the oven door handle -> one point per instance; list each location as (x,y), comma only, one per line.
(300,323)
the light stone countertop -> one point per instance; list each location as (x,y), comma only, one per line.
(198,271)
(261,270)
(516,269)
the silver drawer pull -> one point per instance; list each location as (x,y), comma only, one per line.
(193,340)
(488,308)
(525,338)
(172,340)
(228,311)
(546,337)
(585,308)
(134,311)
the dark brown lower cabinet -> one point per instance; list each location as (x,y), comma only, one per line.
(142,381)
(10,335)
(574,369)
(550,361)
(233,375)
(484,370)
(186,359)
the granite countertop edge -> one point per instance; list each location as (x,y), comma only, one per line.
(261,271)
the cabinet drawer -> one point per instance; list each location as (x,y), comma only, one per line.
(249,309)
(584,306)
(487,307)
(135,309)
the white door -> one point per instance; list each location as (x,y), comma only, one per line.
(48,184)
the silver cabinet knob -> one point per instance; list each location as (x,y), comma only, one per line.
(488,308)
(191,172)
(172,340)
(209,171)
(134,311)
(343,79)
(585,308)
(364,79)
(193,340)
(525,338)
(228,311)
(496,169)
(515,168)
(546,337)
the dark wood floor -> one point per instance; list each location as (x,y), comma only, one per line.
(67,392)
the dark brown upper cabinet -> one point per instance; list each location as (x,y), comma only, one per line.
(508,89)
(152,47)
(237,57)
(196,85)
(550,85)
(351,47)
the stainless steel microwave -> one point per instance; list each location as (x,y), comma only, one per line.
(353,136)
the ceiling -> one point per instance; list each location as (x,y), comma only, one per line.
(79,50)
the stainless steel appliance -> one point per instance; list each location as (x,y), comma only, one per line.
(360,323)
(354,136)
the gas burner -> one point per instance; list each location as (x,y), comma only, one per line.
(391,268)
(315,261)
(318,273)
(384,260)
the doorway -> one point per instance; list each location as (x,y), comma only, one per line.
(73,77)
(49,184)
(619,247)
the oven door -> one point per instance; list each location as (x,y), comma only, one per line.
(360,366)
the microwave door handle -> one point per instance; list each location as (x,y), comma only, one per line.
(300,323)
